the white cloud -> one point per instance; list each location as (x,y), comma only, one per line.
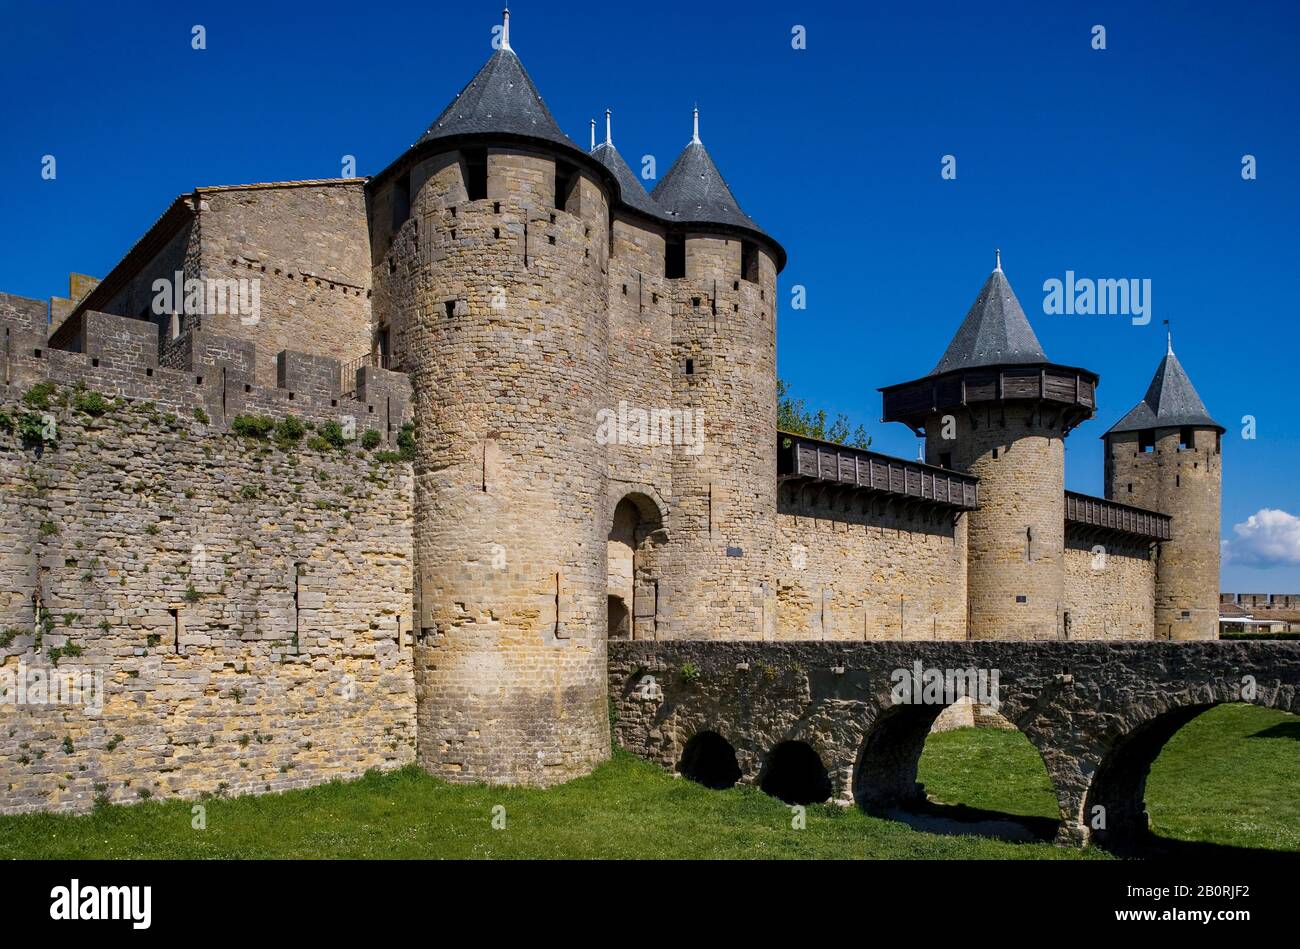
(1268,538)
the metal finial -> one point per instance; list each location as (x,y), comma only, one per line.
(505,28)
(997,267)
(1170,334)
(593,135)
(609,139)
(695,136)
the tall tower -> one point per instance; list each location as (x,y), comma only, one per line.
(1165,455)
(996,407)
(490,239)
(721,268)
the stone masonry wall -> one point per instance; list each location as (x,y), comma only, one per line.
(248,606)
(722,528)
(308,247)
(1109,593)
(867,569)
(248,609)
(640,371)
(136,298)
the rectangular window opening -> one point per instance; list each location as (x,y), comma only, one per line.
(749,261)
(675,258)
(566,182)
(1186,438)
(1146,441)
(475,172)
(401,201)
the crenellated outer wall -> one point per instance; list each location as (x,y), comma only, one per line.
(245,608)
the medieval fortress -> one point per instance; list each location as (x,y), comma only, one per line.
(451,429)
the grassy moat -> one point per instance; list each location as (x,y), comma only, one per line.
(1229,778)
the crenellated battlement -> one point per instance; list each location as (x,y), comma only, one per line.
(199,372)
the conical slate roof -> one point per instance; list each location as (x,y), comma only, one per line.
(1171,402)
(994,333)
(500,99)
(628,183)
(694,191)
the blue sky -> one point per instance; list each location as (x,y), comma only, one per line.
(1115,163)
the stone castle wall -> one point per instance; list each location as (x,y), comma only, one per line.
(248,606)
(307,244)
(641,377)
(867,569)
(1109,588)
(723,526)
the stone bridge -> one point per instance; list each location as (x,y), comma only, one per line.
(1098,713)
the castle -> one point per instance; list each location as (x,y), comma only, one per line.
(535,410)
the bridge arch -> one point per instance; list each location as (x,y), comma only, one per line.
(1114,813)
(709,759)
(795,773)
(884,775)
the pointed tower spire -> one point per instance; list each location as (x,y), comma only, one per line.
(505,29)
(695,135)
(1171,401)
(501,98)
(995,331)
(609,139)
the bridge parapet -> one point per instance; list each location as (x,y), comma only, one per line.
(1098,713)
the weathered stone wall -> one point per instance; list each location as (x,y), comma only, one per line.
(1098,713)
(505,333)
(1185,483)
(640,308)
(854,567)
(1017,535)
(248,608)
(179,253)
(1110,586)
(307,245)
(722,528)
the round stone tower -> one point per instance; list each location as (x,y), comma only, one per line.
(997,408)
(721,270)
(490,242)
(1165,455)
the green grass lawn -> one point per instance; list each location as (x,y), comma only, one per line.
(1229,777)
